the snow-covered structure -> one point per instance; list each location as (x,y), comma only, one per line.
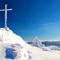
(37,42)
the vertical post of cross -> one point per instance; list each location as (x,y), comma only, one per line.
(5,10)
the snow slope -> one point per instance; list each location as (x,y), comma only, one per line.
(8,39)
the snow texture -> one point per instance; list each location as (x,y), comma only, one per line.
(13,47)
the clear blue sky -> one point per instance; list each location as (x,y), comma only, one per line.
(30,18)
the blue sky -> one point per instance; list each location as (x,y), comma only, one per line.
(30,18)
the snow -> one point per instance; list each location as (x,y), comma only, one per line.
(8,39)
(37,42)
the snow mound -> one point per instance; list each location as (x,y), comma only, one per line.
(8,36)
(12,46)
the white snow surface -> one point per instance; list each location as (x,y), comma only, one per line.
(7,36)
(24,50)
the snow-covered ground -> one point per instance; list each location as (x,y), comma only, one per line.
(21,50)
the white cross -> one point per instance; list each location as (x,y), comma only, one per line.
(5,10)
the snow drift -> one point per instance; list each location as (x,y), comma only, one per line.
(14,43)
(13,47)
